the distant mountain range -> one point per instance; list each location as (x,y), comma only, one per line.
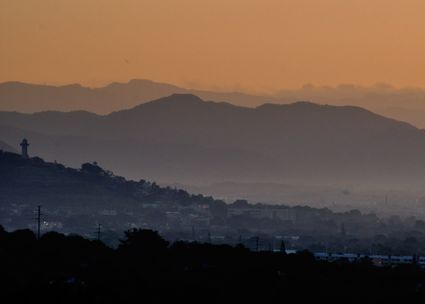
(29,98)
(402,104)
(183,139)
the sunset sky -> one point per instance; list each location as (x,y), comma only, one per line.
(250,45)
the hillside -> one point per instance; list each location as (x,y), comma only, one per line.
(77,199)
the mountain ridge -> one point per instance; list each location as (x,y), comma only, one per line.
(400,104)
(181,138)
(24,97)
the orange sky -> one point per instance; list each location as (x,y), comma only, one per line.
(227,44)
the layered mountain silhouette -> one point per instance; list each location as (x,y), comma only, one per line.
(28,98)
(402,104)
(181,138)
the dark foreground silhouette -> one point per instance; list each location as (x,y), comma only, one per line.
(147,269)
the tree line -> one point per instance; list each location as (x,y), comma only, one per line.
(145,268)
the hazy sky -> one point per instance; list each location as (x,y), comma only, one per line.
(237,44)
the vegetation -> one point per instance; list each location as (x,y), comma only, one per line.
(145,268)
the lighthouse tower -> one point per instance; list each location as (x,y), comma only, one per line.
(24,146)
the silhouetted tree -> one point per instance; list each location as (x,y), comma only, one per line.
(143,241)
(91,168)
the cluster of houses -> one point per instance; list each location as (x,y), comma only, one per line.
(378,260)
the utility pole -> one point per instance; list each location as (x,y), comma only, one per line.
(98,231)
(282,247)
(38,222)
(257,241)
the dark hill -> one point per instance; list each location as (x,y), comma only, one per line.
(82,197)
(32,178)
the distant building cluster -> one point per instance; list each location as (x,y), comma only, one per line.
(377,260)
(266,212)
